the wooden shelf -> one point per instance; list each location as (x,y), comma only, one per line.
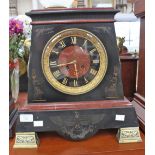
(103,143)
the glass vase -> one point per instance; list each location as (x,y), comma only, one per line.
(14,79)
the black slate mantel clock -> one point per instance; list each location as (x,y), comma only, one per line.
(74,84)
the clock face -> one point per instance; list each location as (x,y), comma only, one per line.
(74,61)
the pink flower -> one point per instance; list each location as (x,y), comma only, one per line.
(15,27)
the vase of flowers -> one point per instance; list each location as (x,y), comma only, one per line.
(17,37)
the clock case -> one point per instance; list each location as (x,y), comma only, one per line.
(75,116)
(48,23)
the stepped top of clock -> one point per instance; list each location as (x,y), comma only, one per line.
(71,10)
(56,10)
(55,14)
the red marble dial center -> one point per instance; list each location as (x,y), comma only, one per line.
(75,61)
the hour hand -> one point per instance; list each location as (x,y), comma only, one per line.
(76,71)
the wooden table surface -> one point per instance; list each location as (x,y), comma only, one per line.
(103,143)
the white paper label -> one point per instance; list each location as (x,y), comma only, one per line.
(37,123)
(120,117)
(26,117)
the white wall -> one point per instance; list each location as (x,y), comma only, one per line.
(23,6)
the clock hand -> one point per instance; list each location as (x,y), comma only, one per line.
(69,63)
(76,71)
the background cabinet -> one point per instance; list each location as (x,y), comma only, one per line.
(139,96)
(129,73)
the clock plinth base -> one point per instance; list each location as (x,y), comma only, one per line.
(76,120)
(129,135)
(26,140)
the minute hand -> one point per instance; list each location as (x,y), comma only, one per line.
(60,65)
